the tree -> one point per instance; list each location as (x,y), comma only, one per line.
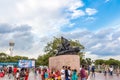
(3,57)
(88,60)
(113,62)
(6,58)
(44,59)
(51,48)
(109,62)
(83,62)
(99,62)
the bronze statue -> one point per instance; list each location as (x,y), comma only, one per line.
(65,48)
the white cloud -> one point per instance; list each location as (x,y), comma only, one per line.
(75,5)
(92,56)
(44,16)
(91,11)
(77,13)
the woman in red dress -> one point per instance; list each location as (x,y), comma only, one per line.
(26,74)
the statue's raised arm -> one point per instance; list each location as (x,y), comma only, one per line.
(65,43)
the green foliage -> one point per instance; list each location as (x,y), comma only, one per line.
(86,61)
(89,61)
(6,58)
(99,62)
(83,62)
(44,59)
(111,61)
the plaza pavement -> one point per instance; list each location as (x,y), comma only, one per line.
(100,76)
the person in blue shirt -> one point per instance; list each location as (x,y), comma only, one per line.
(93,71)
(74,75)
(46,74)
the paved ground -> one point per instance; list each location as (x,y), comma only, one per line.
(99,76)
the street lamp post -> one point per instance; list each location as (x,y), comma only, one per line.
(11,44)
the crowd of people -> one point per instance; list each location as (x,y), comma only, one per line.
(15,73)
(66,73)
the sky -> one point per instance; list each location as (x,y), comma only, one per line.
(31,24)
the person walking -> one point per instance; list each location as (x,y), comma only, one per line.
(86,73)
(43,74)
(63,73)
(69,73)
(14,70)
(88,69)
(83,73)
(17,75)
(111,70)
(93,71)
(22,74)
(105,71)
(46,75)
(74,75)
(26,74)
(10,71)
(117,71)
(66,73)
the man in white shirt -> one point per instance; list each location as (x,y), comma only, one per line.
(69,72)
(63,73)
(111,70)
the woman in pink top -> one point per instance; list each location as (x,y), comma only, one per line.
(83,73)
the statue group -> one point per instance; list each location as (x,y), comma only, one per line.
(66,48)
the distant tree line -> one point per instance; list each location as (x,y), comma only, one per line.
(113,62)
(5,58)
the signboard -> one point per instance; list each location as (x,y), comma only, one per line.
(26,63)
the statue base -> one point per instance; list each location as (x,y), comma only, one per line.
(57,62)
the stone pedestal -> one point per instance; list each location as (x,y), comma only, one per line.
(57,62)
